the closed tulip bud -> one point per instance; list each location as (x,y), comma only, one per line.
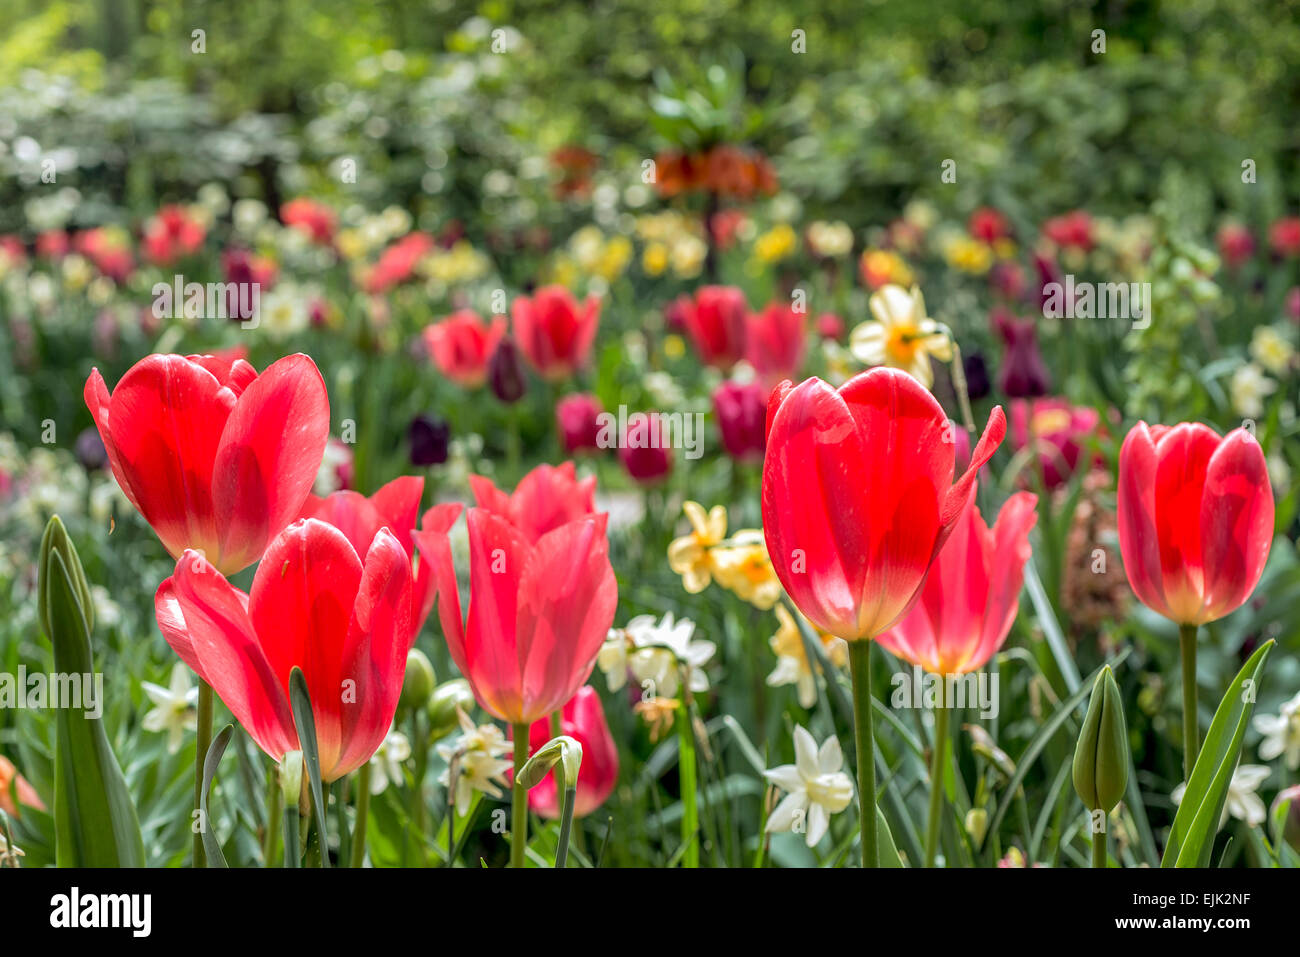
(430,439)
(419,682)
(448,698)
(1101,756)
(506,372)
(1286,817)
(54,542)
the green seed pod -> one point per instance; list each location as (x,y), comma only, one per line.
(443,704)
(1101,756)
(55,540)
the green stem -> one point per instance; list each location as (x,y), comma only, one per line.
(860,668)
(519,800)
(420,742)
(686,769)
(363,814)
(1191,734)
(566,825)
(202,743)
(291,836)
(938,753)
(272,837)
(1099,846)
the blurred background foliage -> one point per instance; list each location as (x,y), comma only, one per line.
(856,125)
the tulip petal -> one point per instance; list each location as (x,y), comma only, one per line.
(300,605)
(268,457)
(1136,506)
(1008,552)
(1183,456)
(494,649)
(205,619)
(1237,514)
(437,577)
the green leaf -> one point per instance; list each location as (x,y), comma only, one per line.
(1191,839)
(305,722)
(885,849)
(211,846)
(94,817)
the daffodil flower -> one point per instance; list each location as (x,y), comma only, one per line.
(814,785)
(175,707)
(901,335)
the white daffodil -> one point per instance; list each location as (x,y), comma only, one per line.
(477,754)
(175,707)
(386,762)
(660,649)
(1281,733)
(1242,802)
(902,335)
(1248,389)
(612,659)
(815,787)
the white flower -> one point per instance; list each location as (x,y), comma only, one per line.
(1249,388)
(284,312)
(612,659)
(386,762)
(901,335)
(815,787)
(175,707)
(1242,803)
(1281,733)
(477,755)
(1271,349)
(658,650)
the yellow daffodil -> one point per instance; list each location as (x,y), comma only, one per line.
(654,259)
(691,555)
(742,565)
(969,255)
(884,266)
(901,336)
(792,666)
(776,244)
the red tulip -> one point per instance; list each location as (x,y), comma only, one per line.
(315,604)
(214,456)
(858,495)
(397,263)
(554,332)
(716,321)
(308,216)
(1195,519)
(174,232)
(109,249)
(776,342)
(1023,373)
(547,497)
(643,456)
(539,610)
(988,225)
(1057,431)
(396,507)
(972,593)
(462,344)
(1236,244)
(1284,236)
(742,410)
(1072,229)
(583,719)
(576,417)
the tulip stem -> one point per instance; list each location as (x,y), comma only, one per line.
(686,777)
(519,800)
(1191,733)
(566,825)
(291,824)
(272,837)
(939,751)
(860,667)
(363,814)
(1099,845)
(202,743)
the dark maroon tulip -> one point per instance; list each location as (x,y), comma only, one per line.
(1023,374)
(742,414)
(430,437)
(506,372)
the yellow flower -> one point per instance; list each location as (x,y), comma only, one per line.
(776,244)
(351,243)
(969,255)
(1271,349)
(883,266)
(654,259)
(688,254)
(792,667)
(742,566)
(901,336)
(691,555)
(674,346)
(614,258)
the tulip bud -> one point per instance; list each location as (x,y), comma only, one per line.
(419,682)
(446,700)
(563,750)
(429,437)
(54,542)
(291,788)
(90,450)
(506,372)
(578,419)
(1101,756)
(1286,817)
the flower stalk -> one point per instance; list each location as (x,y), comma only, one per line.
(860,667)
